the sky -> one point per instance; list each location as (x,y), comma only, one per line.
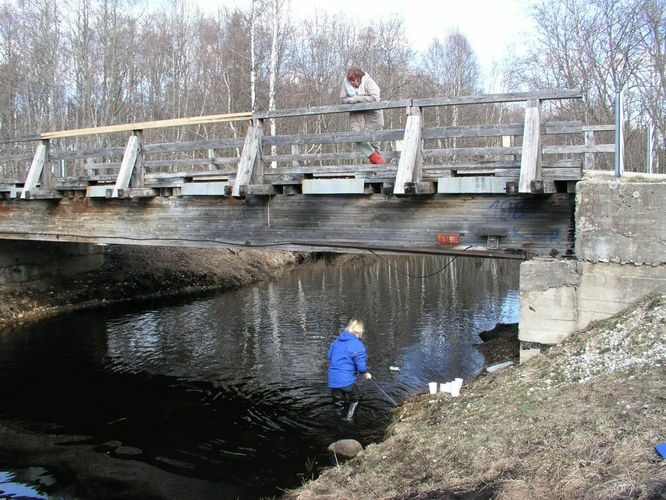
(491,26)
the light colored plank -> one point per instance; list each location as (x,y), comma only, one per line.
(249,157)
(129,127)
(36,168)
(530,165)
(408,159)
(204,189)
(482,184)
(128,163)
(333,186)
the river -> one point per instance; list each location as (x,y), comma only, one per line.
(231,388)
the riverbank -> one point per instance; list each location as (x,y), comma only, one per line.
(581,421)
(138,273)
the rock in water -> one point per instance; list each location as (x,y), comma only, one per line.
(347,448)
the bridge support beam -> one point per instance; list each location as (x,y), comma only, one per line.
(409,166)
(530,165)
(37,169)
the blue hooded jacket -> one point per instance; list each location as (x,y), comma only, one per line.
(347,357)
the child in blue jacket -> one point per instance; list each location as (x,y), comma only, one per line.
(347,357)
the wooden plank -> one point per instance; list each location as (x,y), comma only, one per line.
(138,173)
(258,190)
(530,165)
(249,158)
(204,189)
(36,168)
(334,138)
(339,108)
(130,127)
(498,98)
(474,185)
(579,149)
(127,166)
(188,146)
(42,194)
(473,131)
(407,164)
(132,193)
(297,160)
(99,191)
(333,186)
(489,151)
(420,188)
(599,128)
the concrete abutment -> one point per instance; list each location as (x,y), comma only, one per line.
(620,258)
(22,261)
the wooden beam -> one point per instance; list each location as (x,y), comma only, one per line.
(129,127)
(409,162)
(530,165)
(498,98)
(338,108)
(127,166)
(250,157)
(36,168)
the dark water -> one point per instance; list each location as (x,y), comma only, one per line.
(231,388)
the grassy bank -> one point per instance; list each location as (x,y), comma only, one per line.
(579,422)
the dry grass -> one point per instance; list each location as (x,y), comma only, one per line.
(579,422)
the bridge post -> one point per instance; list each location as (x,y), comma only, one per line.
(409,166)
(36,168)
(250,166)
(132,153)
(588,162)
(139,171)
(530,164)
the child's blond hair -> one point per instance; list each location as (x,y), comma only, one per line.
(355,326)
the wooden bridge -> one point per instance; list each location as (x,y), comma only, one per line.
(490,189)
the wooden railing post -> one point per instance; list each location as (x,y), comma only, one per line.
(36,168)
(588,162)
(127,167)
(409,166)
(530,164)
(250,166)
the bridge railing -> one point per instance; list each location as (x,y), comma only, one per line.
(528,156)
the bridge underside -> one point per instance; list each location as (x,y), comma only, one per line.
(486,225)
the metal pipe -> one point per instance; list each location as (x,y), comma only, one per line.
(619,136)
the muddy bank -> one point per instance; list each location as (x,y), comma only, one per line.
(138,272)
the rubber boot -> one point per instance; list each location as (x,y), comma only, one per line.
(339,407)
(376,158)
(350,413)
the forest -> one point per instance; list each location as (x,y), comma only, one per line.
(67,64)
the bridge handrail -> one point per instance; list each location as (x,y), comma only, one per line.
(251,161)
(424,102)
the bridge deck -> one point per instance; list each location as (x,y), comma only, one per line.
(304,191)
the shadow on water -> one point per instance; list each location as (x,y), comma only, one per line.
(232,388)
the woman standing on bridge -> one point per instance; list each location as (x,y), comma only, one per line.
(358,87)
(347,357)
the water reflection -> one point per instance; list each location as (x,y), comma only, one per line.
(232,388)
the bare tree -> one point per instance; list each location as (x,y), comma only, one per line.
(600,47)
